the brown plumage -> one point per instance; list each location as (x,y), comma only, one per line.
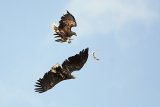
(62,72)
(63,31)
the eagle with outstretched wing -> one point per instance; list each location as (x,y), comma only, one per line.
(63,31)
(62,72)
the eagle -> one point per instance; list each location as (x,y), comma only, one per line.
(58,72)
(63,31)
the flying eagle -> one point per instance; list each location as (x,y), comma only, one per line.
(62,72)
(63,31)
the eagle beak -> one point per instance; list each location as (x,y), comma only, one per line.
(75,25)
(73,77)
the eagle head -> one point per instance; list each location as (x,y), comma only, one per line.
(72,77)
(72,33)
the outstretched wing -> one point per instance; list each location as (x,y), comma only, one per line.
(49,80)
(67,21)
(75,62)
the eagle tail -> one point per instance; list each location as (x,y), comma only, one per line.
(54,27)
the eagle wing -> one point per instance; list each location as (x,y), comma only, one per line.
(75,62)
(49,80)
(67,21)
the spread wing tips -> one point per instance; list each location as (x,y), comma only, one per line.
(39,90)
(86,50)
(38,86)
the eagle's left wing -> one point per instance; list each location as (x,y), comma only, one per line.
(67,21)
(75,62)
(49,80)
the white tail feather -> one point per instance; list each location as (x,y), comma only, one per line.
(54,27)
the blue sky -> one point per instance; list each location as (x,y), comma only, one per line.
(124,34)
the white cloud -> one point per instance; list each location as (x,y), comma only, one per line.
(106,16)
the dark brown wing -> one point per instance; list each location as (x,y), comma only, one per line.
(75,62)
(49,80)
(67,21)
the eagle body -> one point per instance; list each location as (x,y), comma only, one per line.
(62,72)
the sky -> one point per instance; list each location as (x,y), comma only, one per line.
(123,33)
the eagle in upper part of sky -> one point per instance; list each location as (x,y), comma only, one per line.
(62,72)
(63,31)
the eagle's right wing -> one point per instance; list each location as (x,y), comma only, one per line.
(49,80)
